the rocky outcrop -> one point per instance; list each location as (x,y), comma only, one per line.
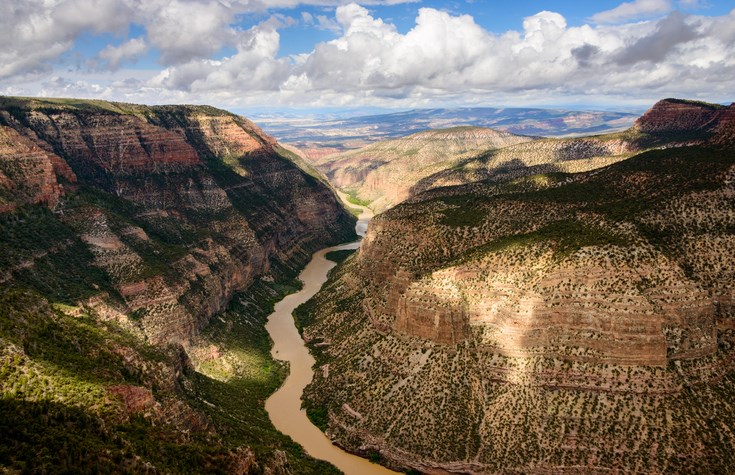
(387,173)
(117,144)
(572,155)
(28,173)
(129,237)
(671,116)
(689,122)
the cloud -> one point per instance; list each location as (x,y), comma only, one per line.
(38,32)
(693,4)
(252,68)
(112,57)
(443,59)
(584,53)
(186,30)
(633,11)
(672,31)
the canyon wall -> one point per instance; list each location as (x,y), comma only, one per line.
(557,323)
(202,180)
(140,251)
(384,173)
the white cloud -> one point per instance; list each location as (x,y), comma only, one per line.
(693,4)
(37,32)
(444,58)
(633,11)
(113,56)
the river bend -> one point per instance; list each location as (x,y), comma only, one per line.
(284,406)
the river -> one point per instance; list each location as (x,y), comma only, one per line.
(284,406)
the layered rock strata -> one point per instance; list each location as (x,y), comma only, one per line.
(199,179)
(383,173)
(124,230)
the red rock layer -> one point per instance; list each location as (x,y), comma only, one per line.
(29,174)
(117,143)
(672,116)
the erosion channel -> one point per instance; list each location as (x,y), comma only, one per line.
(284,406)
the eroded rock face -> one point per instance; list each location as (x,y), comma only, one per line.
(28,173)
(676,116)
(521,302)
(136,399)
(695,122)
(385,172)
(116,143)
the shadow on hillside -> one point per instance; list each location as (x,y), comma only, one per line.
(458,176)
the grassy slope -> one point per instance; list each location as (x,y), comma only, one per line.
(56,364)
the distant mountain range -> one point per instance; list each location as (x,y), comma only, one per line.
(312,136)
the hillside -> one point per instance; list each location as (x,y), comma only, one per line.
(366,173)
(554,323)
(383,173)
(140,251)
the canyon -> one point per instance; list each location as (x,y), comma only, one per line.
(573,321)
(520,305)
(384,173)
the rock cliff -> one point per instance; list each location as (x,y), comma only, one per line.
(205,181)
(671,116)
(556,323)
(689,121)
(137,225)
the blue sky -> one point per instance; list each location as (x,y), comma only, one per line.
(376,54)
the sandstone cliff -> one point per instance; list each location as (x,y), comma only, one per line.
(137,225)
(557,323)
(691,122)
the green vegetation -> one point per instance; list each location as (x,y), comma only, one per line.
(54,414)
(56,369)
(305,166)
(707,105)
(578,266)
(356,212)
(236,385)
(356,200)
(319,416)
(41,252)
(339,256)
(565,237)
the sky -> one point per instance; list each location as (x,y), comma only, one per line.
(263,55)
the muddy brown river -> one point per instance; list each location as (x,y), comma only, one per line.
(284,406)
